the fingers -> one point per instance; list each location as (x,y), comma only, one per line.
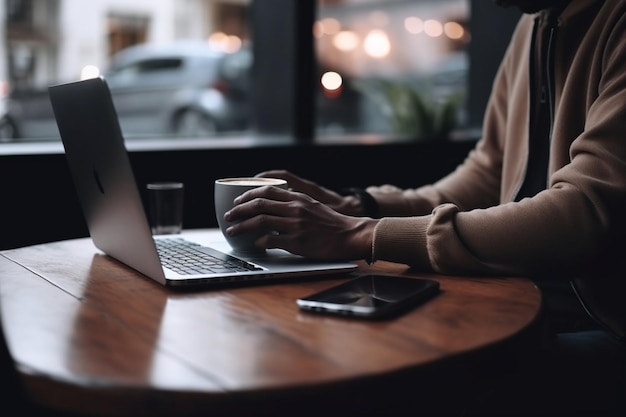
(269,209)
(258,206)
(279,173)
(267,216)
(262,201)
(267,192)
(271,225)
(295,182)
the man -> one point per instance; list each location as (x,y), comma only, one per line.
(543,195)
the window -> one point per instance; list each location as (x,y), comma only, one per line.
(392,66)
(221,68)
(173,66)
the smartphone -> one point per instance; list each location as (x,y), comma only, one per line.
(371,296)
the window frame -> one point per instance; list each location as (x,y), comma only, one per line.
(285,76)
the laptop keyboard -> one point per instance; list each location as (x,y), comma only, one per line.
(189,258)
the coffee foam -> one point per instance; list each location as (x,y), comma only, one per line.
(251,182)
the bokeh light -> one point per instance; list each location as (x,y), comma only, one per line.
(346,41)
(414,25)
(377,44)
(89,71)
(433,28)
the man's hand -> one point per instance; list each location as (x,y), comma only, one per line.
(300,224)
(349,205)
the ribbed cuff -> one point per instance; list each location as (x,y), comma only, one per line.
(402,240)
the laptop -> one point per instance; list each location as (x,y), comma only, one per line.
(114,211)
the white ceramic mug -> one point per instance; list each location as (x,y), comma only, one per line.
(226,190)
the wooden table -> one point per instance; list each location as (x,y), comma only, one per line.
(91,335)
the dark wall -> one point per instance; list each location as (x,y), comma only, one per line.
(39,204)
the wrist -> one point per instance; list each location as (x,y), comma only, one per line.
(363,239)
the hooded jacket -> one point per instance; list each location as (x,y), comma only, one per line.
(574,230)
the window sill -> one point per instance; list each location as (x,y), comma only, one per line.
(230,142)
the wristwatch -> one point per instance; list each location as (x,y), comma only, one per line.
(369,203)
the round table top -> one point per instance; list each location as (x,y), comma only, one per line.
(91,334)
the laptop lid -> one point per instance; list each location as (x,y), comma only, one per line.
(111,202)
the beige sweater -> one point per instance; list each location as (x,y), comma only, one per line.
(467,223)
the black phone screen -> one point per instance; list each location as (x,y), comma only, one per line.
(373,296)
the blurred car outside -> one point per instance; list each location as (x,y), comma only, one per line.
(179,89)
(184,88)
